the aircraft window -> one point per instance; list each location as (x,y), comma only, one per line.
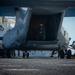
(10,21)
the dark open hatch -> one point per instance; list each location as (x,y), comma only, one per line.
(44,27)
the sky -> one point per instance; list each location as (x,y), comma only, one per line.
(69,25)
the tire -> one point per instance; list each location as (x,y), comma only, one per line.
(8,54)
(23,55)
(61,54)
(69,54)
(2,54)
(27,55)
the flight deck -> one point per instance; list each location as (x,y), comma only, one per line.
(38,66)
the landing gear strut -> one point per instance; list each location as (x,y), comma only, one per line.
(8,54)
(2,53)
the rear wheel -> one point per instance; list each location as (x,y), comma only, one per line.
(27,54)
(69,54)
(61,54)
(2,53)
(23,54)
(8,54)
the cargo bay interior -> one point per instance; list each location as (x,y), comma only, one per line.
(41,27)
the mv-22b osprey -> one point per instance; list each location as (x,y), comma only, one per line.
(37,28)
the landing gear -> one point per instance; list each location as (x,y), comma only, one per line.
(61,54)
(5,53)
(25,54)
(68,54)
(8,54)
(2,53)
